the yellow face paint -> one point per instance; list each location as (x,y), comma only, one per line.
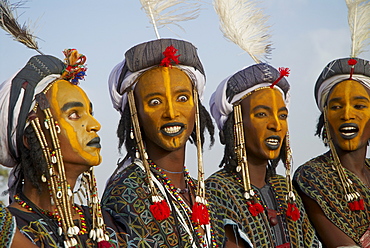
(166,107)
(349,115)
(71,107)
(265,123)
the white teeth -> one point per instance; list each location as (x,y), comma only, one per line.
(347,128)
(348,134)
(272,141)
(173,129)
(346,131)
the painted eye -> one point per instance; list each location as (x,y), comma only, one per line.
(260,115)
(283,116)
(182,98)
(360,106)
(154,102)
(74,116)
(335,107)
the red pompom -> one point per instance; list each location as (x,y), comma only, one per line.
(293,211)
(255,208)
(200,214)
(284,72)
(169,54)
(105,244)
(352,62)
(357,205)
(160,210)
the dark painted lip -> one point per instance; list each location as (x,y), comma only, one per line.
(171,124)
(95,142)
(348,137)
(273,147)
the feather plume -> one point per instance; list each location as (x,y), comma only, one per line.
(359,24)
(164,12)
(244,24)
(9,23)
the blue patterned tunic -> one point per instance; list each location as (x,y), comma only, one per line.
(318,180)
(127,196)
(226,194)
(7,227)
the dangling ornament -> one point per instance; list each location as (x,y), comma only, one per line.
(200,213)
(159,208)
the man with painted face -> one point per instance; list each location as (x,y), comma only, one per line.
(157,89)
(335,185)
(49,137)
(259,208)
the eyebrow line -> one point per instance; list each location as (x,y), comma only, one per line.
(69,105)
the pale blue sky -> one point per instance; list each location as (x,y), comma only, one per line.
(306,35)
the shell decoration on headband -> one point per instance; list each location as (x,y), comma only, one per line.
(243,23)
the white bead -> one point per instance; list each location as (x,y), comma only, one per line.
(59,194)
(238,168)
(93,234)
(246,195)
(70,232)
(43,178)
(76,230)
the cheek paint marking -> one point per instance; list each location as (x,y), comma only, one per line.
(70,132)
(175,142)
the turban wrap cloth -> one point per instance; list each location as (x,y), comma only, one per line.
(337,71)
(234,87)
(146,56)
(17,99)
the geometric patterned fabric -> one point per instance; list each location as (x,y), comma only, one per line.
(44,233)
(226,193)
(7,227)
(128,200)
(317,179)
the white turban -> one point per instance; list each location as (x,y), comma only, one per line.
(329,83)
(6,158)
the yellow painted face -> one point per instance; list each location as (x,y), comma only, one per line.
(165,107)
(79,141)
(265,123)
(349,115)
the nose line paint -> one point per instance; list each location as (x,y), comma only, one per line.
(167,84)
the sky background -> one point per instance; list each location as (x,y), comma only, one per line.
(306,35)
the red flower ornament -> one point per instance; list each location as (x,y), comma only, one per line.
(169,55)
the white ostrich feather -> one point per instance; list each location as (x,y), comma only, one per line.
(164,12)
(245,25)
(359,23)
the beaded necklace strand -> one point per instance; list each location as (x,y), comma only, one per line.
(52,215)
(174,191)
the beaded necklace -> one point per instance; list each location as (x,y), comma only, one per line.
(174,191)
(24,205)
